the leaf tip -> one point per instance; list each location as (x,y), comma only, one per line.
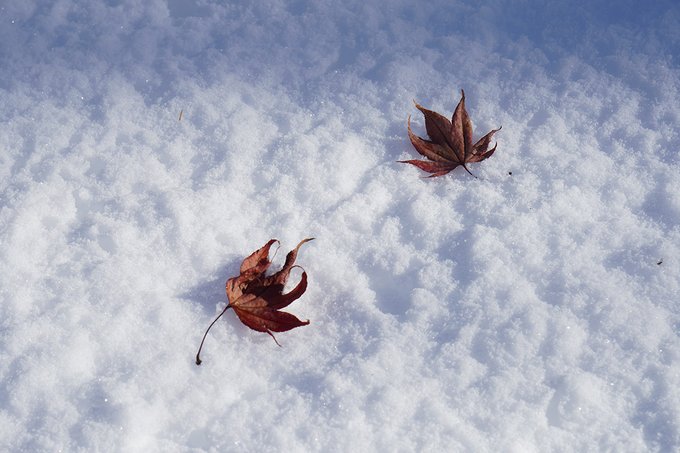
(304,241)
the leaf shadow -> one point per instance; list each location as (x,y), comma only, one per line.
(211,290)
(397,142)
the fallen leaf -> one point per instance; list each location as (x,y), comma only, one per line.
(256,298)
(450,143)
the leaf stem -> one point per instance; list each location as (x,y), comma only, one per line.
(198,359)
(466,169)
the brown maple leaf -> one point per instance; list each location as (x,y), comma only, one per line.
(256,298)
(450,143)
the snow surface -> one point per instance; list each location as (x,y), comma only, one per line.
(532,311)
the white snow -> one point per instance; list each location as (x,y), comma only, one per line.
(532,311)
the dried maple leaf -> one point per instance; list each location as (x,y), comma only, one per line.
(450,143)
(256,298)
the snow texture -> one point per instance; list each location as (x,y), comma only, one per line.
(536,308)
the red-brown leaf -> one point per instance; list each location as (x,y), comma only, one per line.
(450,143)
(427,148)
(435,168)
(257,298)
(258,261)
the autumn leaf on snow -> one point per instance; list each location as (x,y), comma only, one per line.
(256,298)
(450,143)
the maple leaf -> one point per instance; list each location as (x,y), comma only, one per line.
(450,143)
(256,298)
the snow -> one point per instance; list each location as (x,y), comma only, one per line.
(533,309)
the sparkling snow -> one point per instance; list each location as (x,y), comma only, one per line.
(536,308)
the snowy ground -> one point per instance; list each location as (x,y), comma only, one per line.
(532,311)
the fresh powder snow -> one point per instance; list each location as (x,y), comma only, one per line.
(147,147)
